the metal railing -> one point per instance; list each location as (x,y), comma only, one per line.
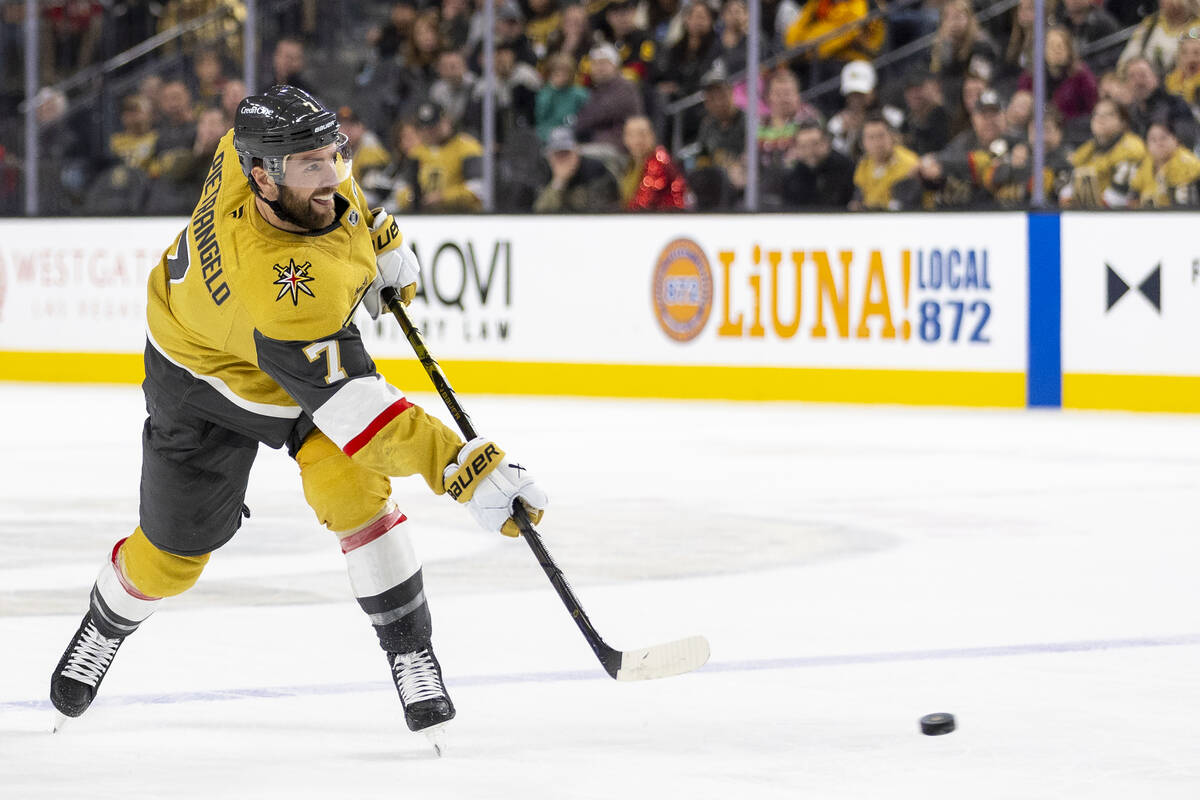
(108,67)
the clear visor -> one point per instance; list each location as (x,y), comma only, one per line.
(328,166)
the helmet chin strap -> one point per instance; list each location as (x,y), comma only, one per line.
(277,207)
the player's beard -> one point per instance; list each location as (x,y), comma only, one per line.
(303,211)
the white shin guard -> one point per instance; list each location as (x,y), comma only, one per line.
(385,575)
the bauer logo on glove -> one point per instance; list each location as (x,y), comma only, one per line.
(396,264)
(483,478)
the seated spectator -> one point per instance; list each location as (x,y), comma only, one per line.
(287,64)
(232,94)
(367,151)
(456,25)
(560,98)
(1113,86)
(886,176)
(858,95)
(1106,163)
(718,175)
(1087,23)
(1018,114)
(517,87)
(731,42)
(955,176)
(722,137)
(1070,85)
(397,185)
(419,55)
(1010,176)
(965,99)
(635,47)
(786,109)
(689,59)
(578,184)
(1169,175)
(574,36)
(1018,53)
(455,86)
(176,129)
(136,142)
(208,79)
(395,32)
(1156,39)
(1185,78)
(613,100)
(177,185)
(510,31)
(960,46)
(1150,102)
(544,19)
(820,18)
(821,177)
(653,182)
(449,167)
(926,127)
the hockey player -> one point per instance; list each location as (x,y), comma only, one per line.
(249,340)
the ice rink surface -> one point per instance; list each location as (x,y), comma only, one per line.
(1035,574)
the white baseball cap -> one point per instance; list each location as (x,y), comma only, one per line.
(858,76)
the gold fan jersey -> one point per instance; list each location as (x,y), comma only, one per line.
(890,186)
(452,170)
(1103,172)
(1175,183)
(249,326)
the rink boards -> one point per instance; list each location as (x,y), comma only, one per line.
(1002,309)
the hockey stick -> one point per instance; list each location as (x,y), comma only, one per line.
(658,661)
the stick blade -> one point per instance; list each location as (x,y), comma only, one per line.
(663,660)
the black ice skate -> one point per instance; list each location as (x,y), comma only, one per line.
(77,677)
(427,705)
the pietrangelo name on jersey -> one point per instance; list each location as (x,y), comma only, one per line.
(205,236)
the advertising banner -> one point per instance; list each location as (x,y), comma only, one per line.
(888,307)
(1130,311)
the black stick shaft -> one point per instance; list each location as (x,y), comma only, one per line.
(610,658)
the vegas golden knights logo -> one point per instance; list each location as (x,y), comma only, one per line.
(293,280)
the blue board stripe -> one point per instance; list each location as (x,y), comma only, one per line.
(1044,375)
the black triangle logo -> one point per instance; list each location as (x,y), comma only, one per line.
(1116,288)
(1151,288)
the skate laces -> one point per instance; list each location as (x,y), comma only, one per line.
(90,656)
(417,677)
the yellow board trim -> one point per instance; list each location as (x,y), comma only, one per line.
(1175,393)
(905,387)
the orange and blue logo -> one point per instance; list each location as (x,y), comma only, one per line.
(683,290)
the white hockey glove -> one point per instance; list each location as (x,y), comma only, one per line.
(488,482)
(396,264)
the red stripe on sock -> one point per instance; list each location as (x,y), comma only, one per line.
(373,531)
(125,582)
(390,413)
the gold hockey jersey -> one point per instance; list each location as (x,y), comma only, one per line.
(250,326)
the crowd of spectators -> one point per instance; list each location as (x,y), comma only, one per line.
(588,116)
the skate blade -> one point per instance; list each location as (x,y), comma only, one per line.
(59,720)
(436,734)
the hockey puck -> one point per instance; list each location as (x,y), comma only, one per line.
(937,724)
